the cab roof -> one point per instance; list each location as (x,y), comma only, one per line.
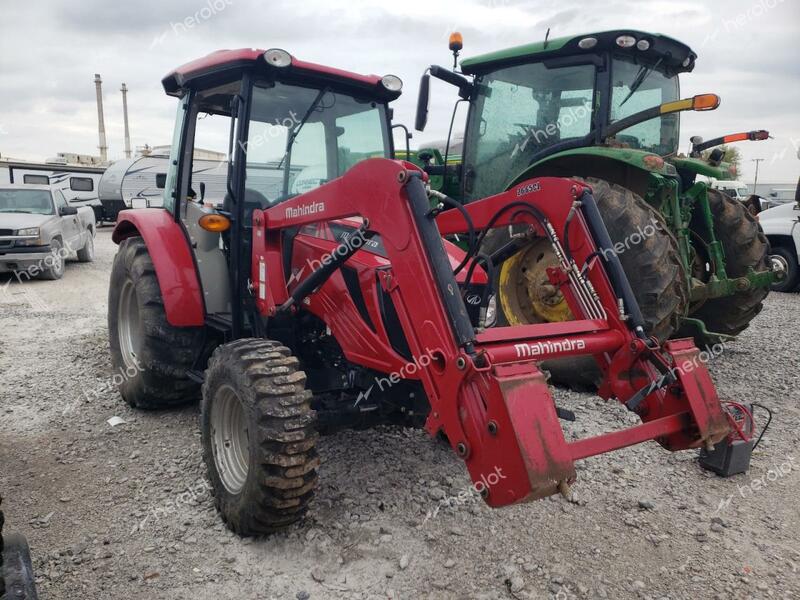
(227,64)
(676,56)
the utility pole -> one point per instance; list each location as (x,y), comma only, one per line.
(756,160)
(124,90)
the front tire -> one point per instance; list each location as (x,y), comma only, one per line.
(16,571)
(54,263)
(650,260)
(259,436)
(149,355)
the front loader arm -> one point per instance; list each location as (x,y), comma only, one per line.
(485,389)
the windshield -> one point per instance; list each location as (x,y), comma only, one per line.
(520,111)
(658,135)
(300,138)
(37,202)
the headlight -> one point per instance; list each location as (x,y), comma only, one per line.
(32,233)
(392,83)
(491,311)
(626,41)
(278,58)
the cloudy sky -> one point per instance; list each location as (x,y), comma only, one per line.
(50,50)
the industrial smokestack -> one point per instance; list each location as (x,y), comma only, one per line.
(124,90)
(101,125)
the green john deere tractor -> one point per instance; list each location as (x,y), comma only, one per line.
(605,108)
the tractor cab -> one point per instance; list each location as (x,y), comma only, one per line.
(616,89)
(274,127)
(534,101)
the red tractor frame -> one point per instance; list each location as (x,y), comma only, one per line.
(336,290)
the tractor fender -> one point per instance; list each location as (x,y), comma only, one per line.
(627,167)
(172,258)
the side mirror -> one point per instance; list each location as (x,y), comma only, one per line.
(202,190)
(423,100)
(67,211)
(797,191)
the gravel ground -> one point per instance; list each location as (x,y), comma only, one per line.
(124,511)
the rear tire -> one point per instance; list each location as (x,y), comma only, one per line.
(745,246)
(259,436)
(151,356)
(86,254)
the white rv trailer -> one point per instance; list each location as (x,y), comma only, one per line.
(139,182)
(79,184)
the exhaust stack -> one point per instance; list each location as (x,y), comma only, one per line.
(101,125)
(124,90)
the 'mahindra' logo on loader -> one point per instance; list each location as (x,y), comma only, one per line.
(304,209)
(540,348)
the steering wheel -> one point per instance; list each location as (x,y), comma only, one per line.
(631,140)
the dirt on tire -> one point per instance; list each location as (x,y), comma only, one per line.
(158,378)
(281,429)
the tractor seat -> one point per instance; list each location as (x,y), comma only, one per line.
(254,199)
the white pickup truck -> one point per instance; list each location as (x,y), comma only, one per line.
(39,230)
(781,225)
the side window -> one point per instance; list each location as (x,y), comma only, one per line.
(171,180)
(60,201)
(210,158)
(81,184)
(36,179)
(509,111)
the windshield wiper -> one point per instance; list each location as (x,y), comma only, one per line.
(296,131)
(643,73)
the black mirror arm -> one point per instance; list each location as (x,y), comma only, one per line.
(464,85)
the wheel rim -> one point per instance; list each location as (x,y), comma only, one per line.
(58,260)
(230,440)
(779,263)
(526,294)
(129,325)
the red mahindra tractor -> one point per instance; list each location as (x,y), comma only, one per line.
(311,288)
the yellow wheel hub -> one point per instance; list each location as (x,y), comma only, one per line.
(526,294)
